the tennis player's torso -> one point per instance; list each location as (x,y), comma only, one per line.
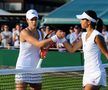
(92,53)
(28,55)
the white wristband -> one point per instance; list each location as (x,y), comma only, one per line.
(63,40)
(54,38)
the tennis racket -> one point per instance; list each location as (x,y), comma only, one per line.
(44,51)
(39,63)
(43,54)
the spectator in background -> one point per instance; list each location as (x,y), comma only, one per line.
(71,30)
(48,31)
(105,35)
(59,44)
(6,37)
(76,35)
(15,36)
(1,28)
(42,29)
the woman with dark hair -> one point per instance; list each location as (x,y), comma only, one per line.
(99,25)
(92,43)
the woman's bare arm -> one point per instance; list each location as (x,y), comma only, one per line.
(101,44)
(74,47)
(25,36)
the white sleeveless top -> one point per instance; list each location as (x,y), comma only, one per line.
(92,54)
(28,55)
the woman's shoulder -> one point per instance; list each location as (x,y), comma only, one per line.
(25,30)
(96,32)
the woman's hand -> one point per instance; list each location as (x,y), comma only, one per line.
(43,53)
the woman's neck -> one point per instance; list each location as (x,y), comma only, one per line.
(89,30)
(31,29)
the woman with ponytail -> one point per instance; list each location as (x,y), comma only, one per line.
(99,25)
(92,43)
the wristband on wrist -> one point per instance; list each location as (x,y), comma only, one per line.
(54,38)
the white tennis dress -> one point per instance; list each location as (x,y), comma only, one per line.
(28,59)
(94,72)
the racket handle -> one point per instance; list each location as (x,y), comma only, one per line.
(39,63)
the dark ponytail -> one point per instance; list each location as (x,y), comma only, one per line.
(99,25)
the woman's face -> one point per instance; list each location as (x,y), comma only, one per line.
(60,34)
(84,23)
(6,28)
(32,22)
(17,27)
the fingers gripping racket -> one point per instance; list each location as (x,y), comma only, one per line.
(43,54)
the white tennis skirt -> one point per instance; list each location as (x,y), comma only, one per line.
(96,78)
(28,78)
